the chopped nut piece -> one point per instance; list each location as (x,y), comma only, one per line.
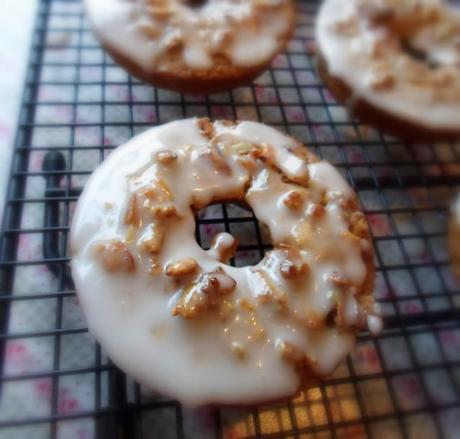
(354,240)
(346,26)
(130,234)
(225,310)
(268,291)
(381,78)
(246,305)
(203,294)
(247,162)
(166,157)
(358,225)
(152,241)
(314,320)
(218,161)
(316,211)
(159,192)
(338,280)
(132,215)
(159,12)
(173,41)
(289,351)
(238,350)
(162,212)
(164,186)
(182,267)
(150,193)
(115,257)
(290,270)
(443,77)
(154,267)
(242,148)
(148,30)
(293,200)
(206,127)
(377,15)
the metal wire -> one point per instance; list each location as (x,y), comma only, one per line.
(404,190)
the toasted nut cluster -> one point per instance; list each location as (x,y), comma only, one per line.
(203,294)
(293,200)
(166,157)
(182,267)
(132,216)
(115,257)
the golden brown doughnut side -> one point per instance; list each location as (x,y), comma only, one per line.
(360,108)
(453,243)
(174,75)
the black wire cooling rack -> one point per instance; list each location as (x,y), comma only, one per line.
(77,106)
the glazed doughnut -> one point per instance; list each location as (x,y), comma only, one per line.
(193,46)
(179,318)
(396,64)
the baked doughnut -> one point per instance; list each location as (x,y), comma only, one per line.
(454,235)
(193,46)
(177,317)
(395,64)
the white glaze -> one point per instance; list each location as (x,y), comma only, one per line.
(194,360)
(245,31)
(357,51)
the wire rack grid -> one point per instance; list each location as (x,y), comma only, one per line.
(55,381)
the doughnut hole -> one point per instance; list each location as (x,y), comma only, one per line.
(253,237)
